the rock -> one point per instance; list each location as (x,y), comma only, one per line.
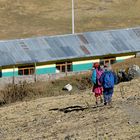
(127,75)
(134,71)
(67,87)
(129,122)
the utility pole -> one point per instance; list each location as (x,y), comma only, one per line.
(73,17)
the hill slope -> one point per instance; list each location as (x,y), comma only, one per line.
(70,117)
(26,18)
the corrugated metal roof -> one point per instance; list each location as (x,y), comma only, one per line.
(44,49)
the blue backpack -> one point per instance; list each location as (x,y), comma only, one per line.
(93,76)
(108,81)
(96,74)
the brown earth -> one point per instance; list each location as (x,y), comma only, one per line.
(28,18)
(71,116)
(74,117)
(127,63)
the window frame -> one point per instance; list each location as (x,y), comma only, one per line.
(104,61)
(30,70)
(64,66)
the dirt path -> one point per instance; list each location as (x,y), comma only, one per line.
(133,111)
(72,117)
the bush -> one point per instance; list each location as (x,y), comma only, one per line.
(16,92)
(27,91)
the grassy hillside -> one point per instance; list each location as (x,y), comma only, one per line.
(26,18)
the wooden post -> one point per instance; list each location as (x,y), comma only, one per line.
(66,68)
(35,78)
(49,77)
(13,74)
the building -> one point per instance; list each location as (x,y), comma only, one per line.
(64,53)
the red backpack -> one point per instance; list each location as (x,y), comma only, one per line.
(98,75)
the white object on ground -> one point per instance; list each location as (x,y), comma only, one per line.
(68,87)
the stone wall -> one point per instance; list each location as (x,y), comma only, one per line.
(33,78)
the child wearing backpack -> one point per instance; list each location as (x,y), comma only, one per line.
(97,87)
(108,79)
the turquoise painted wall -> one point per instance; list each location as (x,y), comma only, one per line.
(9,74)
(82,67)
(121,60)
(50,70)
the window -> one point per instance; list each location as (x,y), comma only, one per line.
(101,62)
(26,70)
(64,67)
(107,61)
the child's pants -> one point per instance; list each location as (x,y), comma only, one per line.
(107,93)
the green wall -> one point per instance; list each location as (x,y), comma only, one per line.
(82,67)
(121,60)
(9,74)
(50,70)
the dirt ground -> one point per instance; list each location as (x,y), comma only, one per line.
(127,63)
(30,18)
(74,117)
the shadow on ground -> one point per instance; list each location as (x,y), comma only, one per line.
(75,108)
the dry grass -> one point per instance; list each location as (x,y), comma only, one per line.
(45,119)
(29,91)
(26,18)
(32,120)
(127,63)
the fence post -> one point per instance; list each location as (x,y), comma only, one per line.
(13,75)
(66,69)
(49,77)
(35,78)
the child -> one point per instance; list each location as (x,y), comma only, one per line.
(108,79)
(97,87)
